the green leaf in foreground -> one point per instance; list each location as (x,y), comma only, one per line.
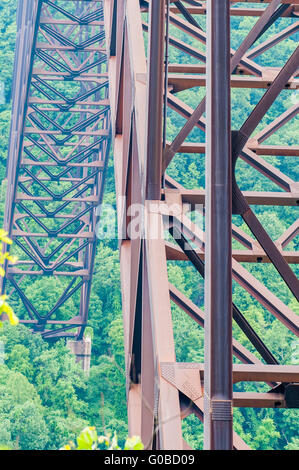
(87,439)
(134,443)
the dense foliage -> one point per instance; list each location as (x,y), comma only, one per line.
(45,399)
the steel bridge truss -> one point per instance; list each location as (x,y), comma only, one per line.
(58,155)
(59,147)
(161,392)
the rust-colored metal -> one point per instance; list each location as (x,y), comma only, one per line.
(218,385)
(64,44)
(168,391)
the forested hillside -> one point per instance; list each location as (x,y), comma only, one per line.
(45,399)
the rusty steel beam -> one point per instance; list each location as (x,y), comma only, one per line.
(242,372)
(159,390)
(218,427)
(184,82)
(155,99)
(242,256)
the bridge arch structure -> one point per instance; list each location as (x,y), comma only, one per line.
(92,72)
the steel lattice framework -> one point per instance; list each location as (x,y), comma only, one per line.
(58,155)
(161,391)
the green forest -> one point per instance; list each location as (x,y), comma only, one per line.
(45,398)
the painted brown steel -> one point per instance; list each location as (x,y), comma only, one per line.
(131,160)
(155,99)
(218,385)
(148,286)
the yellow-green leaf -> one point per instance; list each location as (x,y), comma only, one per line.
(10,313)
(87,438)
(4,238)
(134,443)
(13,259)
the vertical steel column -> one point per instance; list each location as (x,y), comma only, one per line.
(155,99)
(218,286)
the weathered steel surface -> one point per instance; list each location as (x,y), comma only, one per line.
(141,152)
